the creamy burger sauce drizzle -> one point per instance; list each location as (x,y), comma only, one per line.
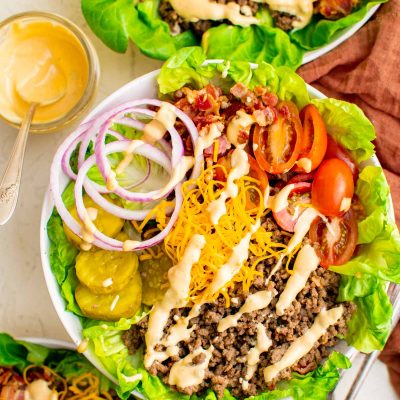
(300,230)
(306,262)
(180,332)
(240,254)
(205,140)
(39,390)
(281,200)
(253,357)
(175,297)
(302,345)
(254,302)
(241,122)
(184,373)
(194,10)
(240,167)
(163,121)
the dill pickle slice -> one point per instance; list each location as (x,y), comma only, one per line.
(105,272)
(154,278)
(111,307)
(105,222)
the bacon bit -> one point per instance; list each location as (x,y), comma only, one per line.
(270,99)
(190,94)
(239,90)
(204,103)
(213,91)
(265,116)
(284,111)
(232,109)
(260,90)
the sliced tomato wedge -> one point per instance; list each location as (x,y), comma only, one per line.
(276,147)
(299,195)
(337,239)
(255,172)
(332,188)
(314,140)
(336,150)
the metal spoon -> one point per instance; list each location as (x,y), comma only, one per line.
(46,85)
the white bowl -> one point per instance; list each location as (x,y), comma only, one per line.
(50,343)
(143,87)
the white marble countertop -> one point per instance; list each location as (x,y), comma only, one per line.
(25,306)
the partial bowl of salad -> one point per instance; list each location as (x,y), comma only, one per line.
(289,32)
(47,369)
(221,230)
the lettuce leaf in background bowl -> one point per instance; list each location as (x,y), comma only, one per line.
(363,277)
(67,363)
(116,22)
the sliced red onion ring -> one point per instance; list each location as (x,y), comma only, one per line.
(145,150)
(96,131)
(56,191)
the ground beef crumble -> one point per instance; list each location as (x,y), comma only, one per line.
(227,366)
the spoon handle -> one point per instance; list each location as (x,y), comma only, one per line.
(11,180)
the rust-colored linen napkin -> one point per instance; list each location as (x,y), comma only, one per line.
(366,70)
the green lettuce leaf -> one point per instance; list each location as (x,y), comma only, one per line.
(315,385)
(110,21)
(62,253)
(348,125)
(370,326)
(106,342)
(20,354)
(322,31)
(185,68)
(117,21)
(256,43)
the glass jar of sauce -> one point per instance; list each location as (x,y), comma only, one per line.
(41,52)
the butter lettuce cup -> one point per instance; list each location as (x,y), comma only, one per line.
(41,52)
(186,241)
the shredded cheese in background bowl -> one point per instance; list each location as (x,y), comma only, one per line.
(222,238)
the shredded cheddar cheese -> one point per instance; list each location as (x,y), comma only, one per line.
(221,238)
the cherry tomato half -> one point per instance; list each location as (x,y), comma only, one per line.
(255,172)
(332,188)
(314,140)
(300,194)
(335,150)
(336,241)
(276,147)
